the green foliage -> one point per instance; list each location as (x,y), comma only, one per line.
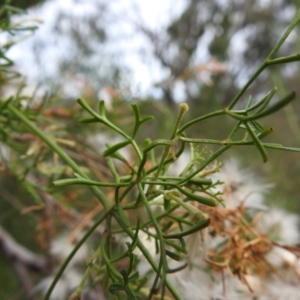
(7,26)
(144,185)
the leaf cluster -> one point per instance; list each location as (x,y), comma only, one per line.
(173,205)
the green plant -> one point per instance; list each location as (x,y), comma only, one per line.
(146,185)
(13,29)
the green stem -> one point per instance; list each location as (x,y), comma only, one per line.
(284,60)
(288,110)
(148,256)
(280,104)
(193,210)
(199,119)
(71,255)
(71,181)
(110,269)
(247,143)
(103,119)
(163,265)
(77,293)
(268,60)
(66,158)
(285,35)
(257,142)
(206,163)
(182,109)
(249,82)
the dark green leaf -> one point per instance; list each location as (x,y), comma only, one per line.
(111,150)
(173,255)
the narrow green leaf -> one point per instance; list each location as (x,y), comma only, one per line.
(136,112)
(136,234)
(146,143)
(176,246)
(167,226)
(264,101)
(134,276)
(258,143)
(102,108)
(125,276)
(281,103)
(183,245)
(133,262)
(198,198)
(200,181)
(113,170)
(173,255)
(200,225)
(257,126)
(284,60)
(248,105)
(111,150)
(5,103)
(265,133)
(116,287)
(267,112)
(70,181)
(78,176)
(167,204)
(280,147)
(146,119)
(170,271)
(138,120)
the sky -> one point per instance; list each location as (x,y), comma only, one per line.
(126,46)
(132,48)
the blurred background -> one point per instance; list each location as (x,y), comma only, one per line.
(159,54)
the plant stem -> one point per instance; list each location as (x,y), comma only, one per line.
(65,157)
(71,255)
(267,60)
(148,256)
